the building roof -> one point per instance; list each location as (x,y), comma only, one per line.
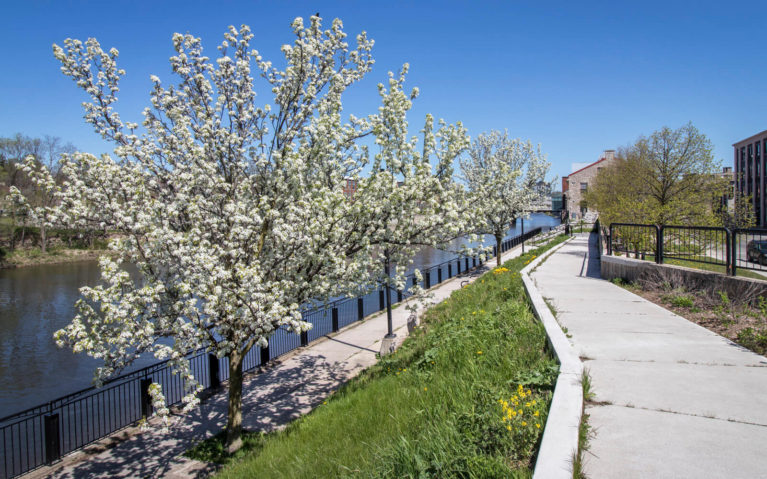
(748,140)
(588,166)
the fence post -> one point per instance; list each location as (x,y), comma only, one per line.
(146,399)
(427,280)
(334,319)
(495,251)
(450,270)
(399,295)
(213,371)
(659,244)
(52,443)
(458,265)
(415,281)
(264,355)
(360,309)
(734,253)
(439,275)
(304,338)
(381,302)
(610,241)
(467,265)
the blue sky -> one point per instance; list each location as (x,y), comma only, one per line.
(576,77)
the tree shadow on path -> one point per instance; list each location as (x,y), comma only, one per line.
(271,400)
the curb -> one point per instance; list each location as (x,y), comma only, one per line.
(560,436)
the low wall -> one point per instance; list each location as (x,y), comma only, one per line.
(560,436)
(630,269)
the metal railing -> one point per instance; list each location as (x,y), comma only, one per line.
(41,435)
(726,248)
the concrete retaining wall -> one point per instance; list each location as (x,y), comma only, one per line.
(631,269)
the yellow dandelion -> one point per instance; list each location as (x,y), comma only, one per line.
(508,427)
(479,352)
(535,414)
(537,425)
(524,423)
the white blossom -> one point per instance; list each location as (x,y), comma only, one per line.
(502,177)
(234,211)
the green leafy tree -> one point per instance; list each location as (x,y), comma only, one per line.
(664,179)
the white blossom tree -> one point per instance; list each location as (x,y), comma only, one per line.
(44,211)
(234,211)
(502,176)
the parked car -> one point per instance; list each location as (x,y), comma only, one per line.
(756,250)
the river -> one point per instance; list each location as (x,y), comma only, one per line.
(36,301)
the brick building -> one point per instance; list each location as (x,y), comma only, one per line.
(577,183)
(750,163)
(350,186)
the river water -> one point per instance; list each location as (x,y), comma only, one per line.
(36,301)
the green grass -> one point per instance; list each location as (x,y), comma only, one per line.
(433,408)
(584,429)
(716,268)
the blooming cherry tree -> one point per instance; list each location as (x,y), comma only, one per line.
(232,210)
(502,175)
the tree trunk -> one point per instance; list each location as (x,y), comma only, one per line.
(498,240)
(23,232)
(43,239)
(234,418)
(13,233)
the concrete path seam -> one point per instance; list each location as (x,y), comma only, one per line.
(680,413)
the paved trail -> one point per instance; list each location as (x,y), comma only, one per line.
(674,399)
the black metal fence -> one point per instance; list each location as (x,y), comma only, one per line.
(726,248)
(42,434)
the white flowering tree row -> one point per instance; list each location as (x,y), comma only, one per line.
(502,177)
(42,211)
(232,206)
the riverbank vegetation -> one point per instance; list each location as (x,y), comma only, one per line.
(30,232)
(466,395)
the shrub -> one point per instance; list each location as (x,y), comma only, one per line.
(753,339)
(682,301)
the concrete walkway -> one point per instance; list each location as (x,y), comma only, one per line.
(672,398)
(292,386)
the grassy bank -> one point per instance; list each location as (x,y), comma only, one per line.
(19,258)
(465,396)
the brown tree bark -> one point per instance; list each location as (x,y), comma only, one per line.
(234,418)
(498,240)
(43,239)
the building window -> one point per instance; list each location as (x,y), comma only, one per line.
(584,186)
